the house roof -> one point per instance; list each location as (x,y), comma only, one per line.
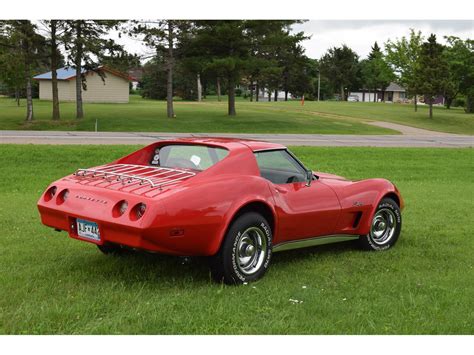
(391,87)
(136,74)
(68,73)
(395,87)
(65,73)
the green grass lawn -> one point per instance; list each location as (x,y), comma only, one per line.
(50,283)
(252,117)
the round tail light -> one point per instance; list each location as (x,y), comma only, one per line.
(137,211)
(120,208)
(140,210)
(123,207)
(63,195)
(50,193)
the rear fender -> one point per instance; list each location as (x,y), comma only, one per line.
(264,197)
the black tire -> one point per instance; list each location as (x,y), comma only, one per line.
(112,249)
(248,233)
(385,227)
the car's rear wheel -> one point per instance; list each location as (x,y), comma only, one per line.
(385,226)
(245,252)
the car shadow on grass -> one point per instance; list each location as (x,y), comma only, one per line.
(163,270)
(138,267)
(316,252)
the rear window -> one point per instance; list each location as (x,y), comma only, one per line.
(186,156)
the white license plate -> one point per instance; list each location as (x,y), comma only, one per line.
(88,230)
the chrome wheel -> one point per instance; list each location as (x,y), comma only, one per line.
(383,226)
(251,250)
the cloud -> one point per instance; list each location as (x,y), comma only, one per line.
(360,35)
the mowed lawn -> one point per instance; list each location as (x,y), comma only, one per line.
(252,117)
(51,284)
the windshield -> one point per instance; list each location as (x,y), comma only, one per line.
(196,157)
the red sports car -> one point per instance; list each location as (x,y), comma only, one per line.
(236,201)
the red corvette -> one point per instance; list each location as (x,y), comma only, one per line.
(236,201)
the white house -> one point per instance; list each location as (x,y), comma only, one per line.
(114,88)
(393,93)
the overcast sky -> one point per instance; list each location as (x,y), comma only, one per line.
(361,34)
(357,34)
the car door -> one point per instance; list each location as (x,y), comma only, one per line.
(303,211)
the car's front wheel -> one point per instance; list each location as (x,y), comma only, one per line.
(245,252)
(385,226)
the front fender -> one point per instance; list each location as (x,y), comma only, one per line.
(385,188)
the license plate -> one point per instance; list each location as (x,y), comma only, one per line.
(88,230)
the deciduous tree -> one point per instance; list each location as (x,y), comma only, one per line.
(402,55)
(339,65)
(460,57)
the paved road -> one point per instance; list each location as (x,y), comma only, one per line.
(433,139)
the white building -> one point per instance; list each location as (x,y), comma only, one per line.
(393,93)
(113,88)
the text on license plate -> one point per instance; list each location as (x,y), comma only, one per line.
(87,229)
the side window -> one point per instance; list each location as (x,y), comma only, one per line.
(279,167)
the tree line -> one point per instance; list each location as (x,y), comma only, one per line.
(193,58)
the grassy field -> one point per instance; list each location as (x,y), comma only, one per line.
(253,117)
(424,285)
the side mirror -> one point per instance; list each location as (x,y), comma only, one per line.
(309,177)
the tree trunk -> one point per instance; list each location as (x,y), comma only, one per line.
(199,88)
(363,96)
(251,90)
(449,102)
(375,95)
(342,93)
(219,89)
(257,91)
(431,108)
(231,99)
(269,96)
(469,104)
(416,104)
(29,98)
(54,67)
(78,64)
(17,96)
(276,96)
(286,95)
(169,81)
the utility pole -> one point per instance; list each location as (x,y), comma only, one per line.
(319,83)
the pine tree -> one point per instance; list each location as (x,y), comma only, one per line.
(85,41)
(431,71)
(376,72)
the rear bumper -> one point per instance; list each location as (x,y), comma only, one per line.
(110,232)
